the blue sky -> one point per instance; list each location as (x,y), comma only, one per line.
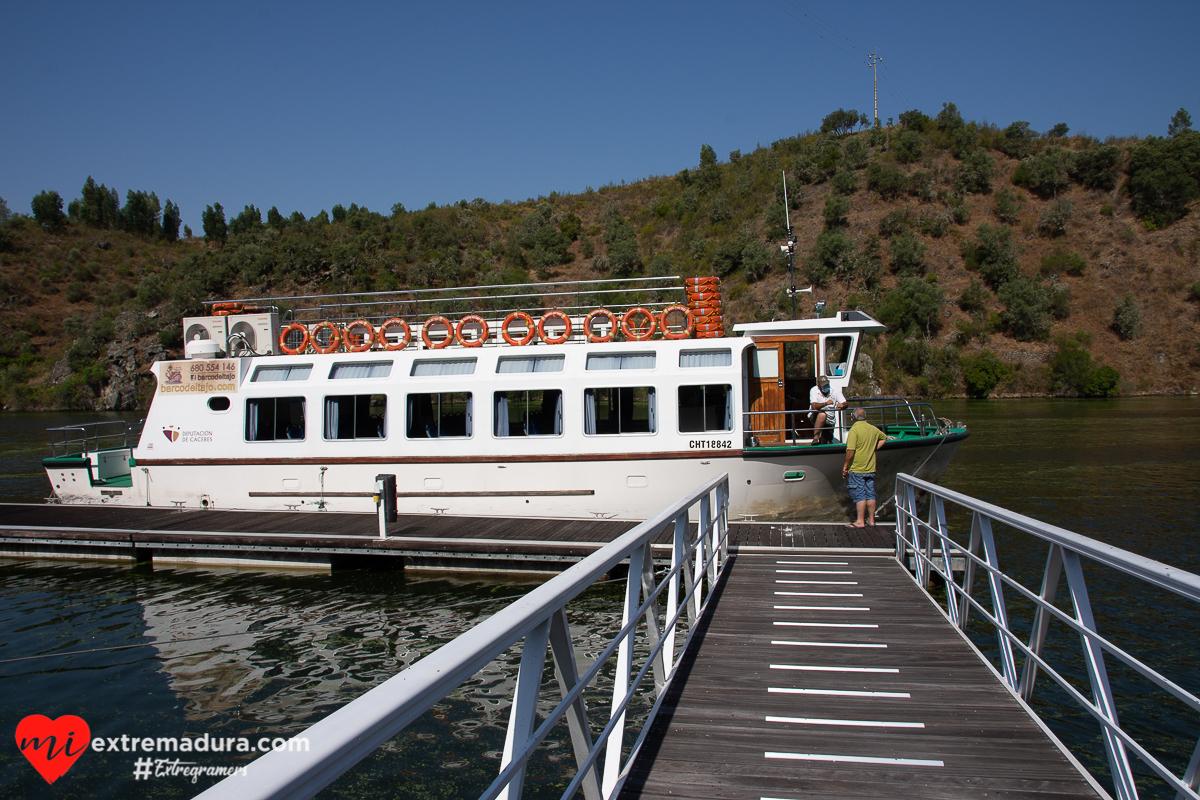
(304,105)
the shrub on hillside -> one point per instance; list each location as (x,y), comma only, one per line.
(841,121)
(915,120)
(829,253)
(1072,372)
(1097,169)
(857,152)
(1007,209)
(1047,173)
(886,179)
(907,146)
(1060,261)
(1054,218)
(982,373)
(1017,139)
(920,186)
(1026,311)
(837,208)
(949,119)
(1060,301)
(993,254)
(913,306)
(973,298)
(935,225)
(894,223)
(974,174)
(907,255)
(844,182)
(47,210)
(1127,318)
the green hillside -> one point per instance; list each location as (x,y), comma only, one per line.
(1004,261)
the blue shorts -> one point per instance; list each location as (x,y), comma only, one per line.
(862,486)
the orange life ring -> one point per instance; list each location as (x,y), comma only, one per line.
(612,325)
(555,314)
(689,317)
(530,329)
(704,280)
(628,329)
(231,307)
(304,343)
(703,297)
(367,342)
(437,320)
(483,331)
(381,336)
(335,339)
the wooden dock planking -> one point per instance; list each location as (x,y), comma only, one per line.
(711,738)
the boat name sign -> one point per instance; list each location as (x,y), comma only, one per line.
(206,376)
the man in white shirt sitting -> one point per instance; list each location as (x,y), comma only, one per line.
(824,400)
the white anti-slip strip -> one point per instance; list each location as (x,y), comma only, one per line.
(816,563)
(824,608)
(820,594)
(911,762)
(823,583)
(856,723)
(826,644)
(828,624)
(808,668)
(815,571)
(838,692)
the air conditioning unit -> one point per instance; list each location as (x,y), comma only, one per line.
(214,328)
(253,332)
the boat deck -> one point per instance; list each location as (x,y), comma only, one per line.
(862,692)
(324,539)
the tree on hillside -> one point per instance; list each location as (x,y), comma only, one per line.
(275,219)
(949,119)
(624,258)
(1047,173)
(1181,122)
(1058,131)
(47,209)
(248,220)
(1017,139)
(1164,176)
(1026,309)
(1097,169)
(170,221)
(708,175)
(915,120)
(914,306)
(4,212)
(840,122)
(994,254)
(140,216)
(907,146)
(213,221)
(99,206)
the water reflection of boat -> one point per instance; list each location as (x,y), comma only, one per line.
(473,422)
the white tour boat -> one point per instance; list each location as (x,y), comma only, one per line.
(550,411)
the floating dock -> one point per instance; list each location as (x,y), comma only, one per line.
(321,540)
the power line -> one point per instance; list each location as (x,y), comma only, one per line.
(834,31)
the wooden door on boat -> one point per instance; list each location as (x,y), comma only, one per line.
(765,389)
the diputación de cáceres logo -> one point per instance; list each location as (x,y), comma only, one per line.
(53,746)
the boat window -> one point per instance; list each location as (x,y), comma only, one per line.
(294,372)
(355,416)
(273,419)
(621,361)
(706,358)
(443,366)
(619,410)
(375,369)
(440,415)
(530,364)
(533,413)
(218,403)
(705,408)
(837,356)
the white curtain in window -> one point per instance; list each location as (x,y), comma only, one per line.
(379,369)
(558,422)
(531,364)
(299,372)
(705,358)
(652,411)
(457,366)
(252,420)
(331,418)
(470,414)
(728,409)
(627,361)
(589,412)
(501,414)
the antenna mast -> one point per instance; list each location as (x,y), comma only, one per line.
(790,247)
(873,62)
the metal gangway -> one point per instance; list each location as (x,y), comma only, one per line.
(698,556)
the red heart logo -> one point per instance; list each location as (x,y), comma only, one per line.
(52,745)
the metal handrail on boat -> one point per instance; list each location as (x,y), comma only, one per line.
(537,621)
(91,437)
(930,544)
(798,423)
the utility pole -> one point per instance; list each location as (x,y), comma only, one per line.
(873,62)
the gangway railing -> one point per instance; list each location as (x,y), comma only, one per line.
(537,620)
(886,413)
(932,547)
(89,437)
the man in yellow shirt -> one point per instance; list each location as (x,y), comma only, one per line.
(859,470)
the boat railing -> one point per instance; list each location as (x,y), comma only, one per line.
(494,301)
(652,626)
(91,437)
(793,427)
(933,549)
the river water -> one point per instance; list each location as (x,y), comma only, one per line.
(241,652)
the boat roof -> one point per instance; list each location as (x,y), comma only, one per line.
(839,322)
